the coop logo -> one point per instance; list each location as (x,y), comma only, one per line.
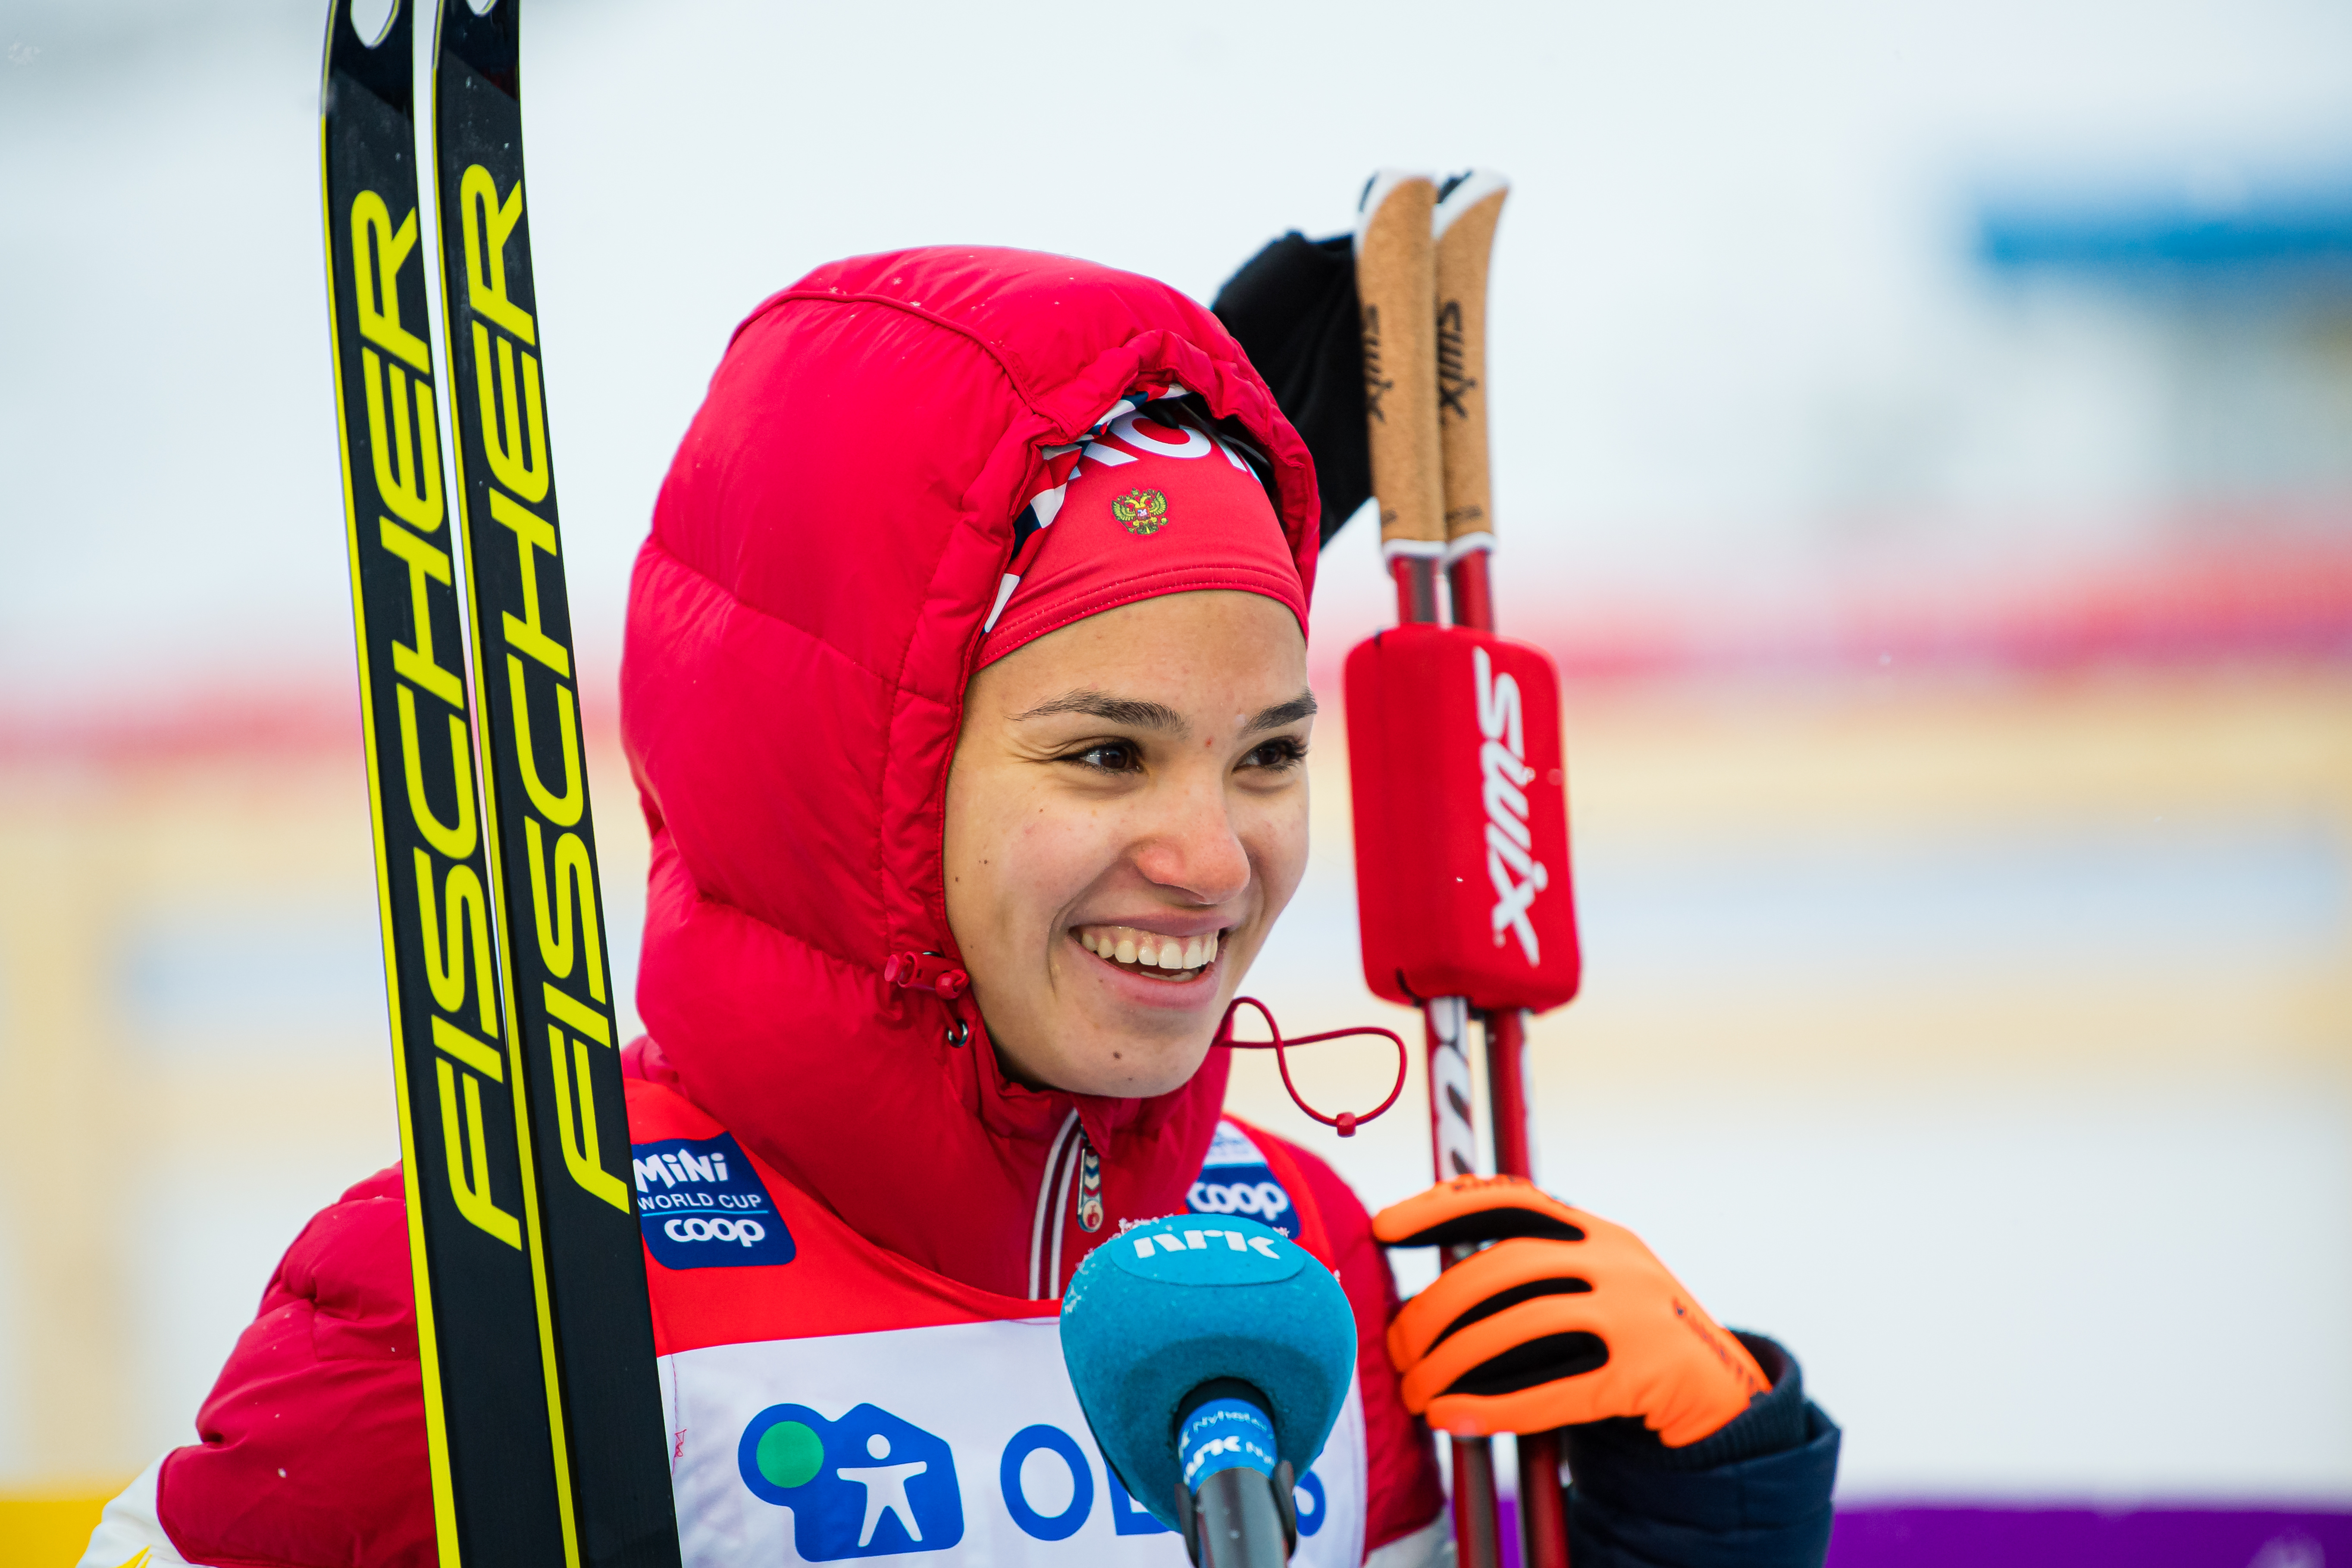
(1259,1200)
(743,1232)
(1235,1179)
(868,1485)
(1505,775)
(703,1205)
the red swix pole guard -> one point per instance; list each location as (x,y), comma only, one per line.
(1461,862)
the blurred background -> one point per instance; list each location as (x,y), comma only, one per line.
(1923,433)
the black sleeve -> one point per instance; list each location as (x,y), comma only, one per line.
(1292,307)
(1754,1495)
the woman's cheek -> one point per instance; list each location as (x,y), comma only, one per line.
(1280,850)
(1059,856)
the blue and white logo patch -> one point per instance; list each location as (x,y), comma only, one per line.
(703,1205)
(1236,1180)
(869,1484)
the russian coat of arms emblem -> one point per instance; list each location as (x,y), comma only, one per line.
(1143,511)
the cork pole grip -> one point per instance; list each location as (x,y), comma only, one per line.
(1465,224)
(1395,282)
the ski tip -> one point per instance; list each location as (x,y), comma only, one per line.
(485,40)
(384,65)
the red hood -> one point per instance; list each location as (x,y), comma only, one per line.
(802,624)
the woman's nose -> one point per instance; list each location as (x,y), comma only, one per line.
(1190,846)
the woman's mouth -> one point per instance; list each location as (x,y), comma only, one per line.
(1149,952)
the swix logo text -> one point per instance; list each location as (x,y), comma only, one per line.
(1454,382)
(1377,385)
(1504,777)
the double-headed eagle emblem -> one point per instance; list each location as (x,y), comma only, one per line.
(1143,511)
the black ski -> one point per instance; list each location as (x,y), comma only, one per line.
(606,1407)
(473,1238)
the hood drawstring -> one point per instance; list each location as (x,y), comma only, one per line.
(931,972)
(927,971)
(1347,1122)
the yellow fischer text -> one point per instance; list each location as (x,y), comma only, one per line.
(564,810)
(575,898)
(378,251)
(469,1162)
(521,469)
(533,533)
(488,223)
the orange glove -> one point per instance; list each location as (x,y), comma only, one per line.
(1566,1319)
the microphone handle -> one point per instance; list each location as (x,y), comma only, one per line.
(1238,1521)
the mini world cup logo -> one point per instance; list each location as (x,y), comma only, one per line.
(1143,511)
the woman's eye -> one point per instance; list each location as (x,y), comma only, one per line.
(1278,754)
(1106,756)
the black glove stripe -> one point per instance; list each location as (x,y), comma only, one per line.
(1492,1225)
(1542,1360)
(1502,1299)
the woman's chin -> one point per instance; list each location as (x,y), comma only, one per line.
(1135,1063)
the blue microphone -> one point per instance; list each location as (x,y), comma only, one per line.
(1211,1355)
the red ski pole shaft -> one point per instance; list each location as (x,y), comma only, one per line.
(1464,223)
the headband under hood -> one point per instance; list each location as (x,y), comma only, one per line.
(1153,501)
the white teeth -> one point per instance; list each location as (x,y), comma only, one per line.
(1149,949)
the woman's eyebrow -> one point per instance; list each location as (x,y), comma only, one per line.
(1300,707)
(1130,712)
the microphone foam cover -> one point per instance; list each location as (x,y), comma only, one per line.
(1168,1305)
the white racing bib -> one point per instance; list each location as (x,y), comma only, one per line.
(960,1443)
(830,1401)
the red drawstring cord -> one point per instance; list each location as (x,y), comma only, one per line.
(931,972)
(927,971)
(1347,1122)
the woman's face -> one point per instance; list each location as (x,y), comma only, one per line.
(1126,816)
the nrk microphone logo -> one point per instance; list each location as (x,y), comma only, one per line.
(1235,1179)
(868,1485)
(703,1205)
(1505,775)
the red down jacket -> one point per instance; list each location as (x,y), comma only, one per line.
(802,624)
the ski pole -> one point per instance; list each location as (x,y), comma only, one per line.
(1396,284)
(1468,207)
